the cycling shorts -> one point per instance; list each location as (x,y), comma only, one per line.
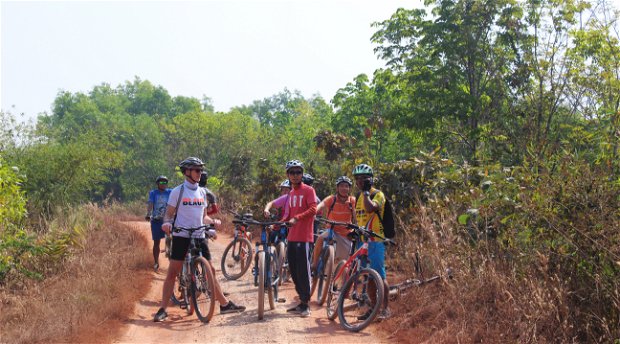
(180,246)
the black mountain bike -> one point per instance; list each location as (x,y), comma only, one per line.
(193,288)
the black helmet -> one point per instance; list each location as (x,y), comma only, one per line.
(161,178)
(343,179)
(294,163)
(203,179)
(190,162)
(307,179)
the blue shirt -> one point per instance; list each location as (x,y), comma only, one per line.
(159,200)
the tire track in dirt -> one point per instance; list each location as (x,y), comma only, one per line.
(276,327)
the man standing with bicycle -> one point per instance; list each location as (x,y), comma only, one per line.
(369,208)
(155,210)
(340,207)
(187,208)
(302,208)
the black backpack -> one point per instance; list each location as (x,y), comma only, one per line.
(387,221)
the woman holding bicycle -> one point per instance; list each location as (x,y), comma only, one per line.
(187,208)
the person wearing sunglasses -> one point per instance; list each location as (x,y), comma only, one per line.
(155,210)
(187,208)
(302,208)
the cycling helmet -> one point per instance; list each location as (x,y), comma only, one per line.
(203,179)
(190,162)
(307,179)
(344,179)
(362,169)
(294,163)
(285,184)
(161,178)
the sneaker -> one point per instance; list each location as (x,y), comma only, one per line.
(384,314)
(365,315)
(231,308)
(296,309)
(156,267)
(161,315)
(305,311)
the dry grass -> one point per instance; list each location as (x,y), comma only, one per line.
(100,282)
(487,301)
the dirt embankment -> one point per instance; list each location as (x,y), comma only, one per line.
(277,326)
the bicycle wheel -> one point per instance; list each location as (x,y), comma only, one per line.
(326,277)
(271,277)
(261,284)
(356,308)
(334,290)
(180,293)
(202,289)
(282,263)
(237,258)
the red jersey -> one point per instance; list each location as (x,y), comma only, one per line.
(302,206)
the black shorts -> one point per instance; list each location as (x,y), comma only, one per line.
(180,246)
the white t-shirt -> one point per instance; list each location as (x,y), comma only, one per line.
(191,208)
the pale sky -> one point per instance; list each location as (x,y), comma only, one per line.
(232,51)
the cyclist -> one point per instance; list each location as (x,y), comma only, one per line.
(213,207)
(308,179)
(190,199)
(281,204)
(369,203)
(155,210)
(302,208)
(339,207)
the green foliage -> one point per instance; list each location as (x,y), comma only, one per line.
(12,198)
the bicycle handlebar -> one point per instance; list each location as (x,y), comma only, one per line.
(360,230)
(209,230)
(259,223)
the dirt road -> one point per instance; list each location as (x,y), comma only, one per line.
(277,326)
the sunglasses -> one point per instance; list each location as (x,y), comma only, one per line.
(297,172)
(162,183)
(199,170)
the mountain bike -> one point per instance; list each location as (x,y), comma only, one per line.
(349,294)
(395,290)
(237,256)
(325,266)
(281,244)
(266,265)
(195,280)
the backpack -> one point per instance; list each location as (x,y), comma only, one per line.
(331,207)
(387,221)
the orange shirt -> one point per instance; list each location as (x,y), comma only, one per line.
(341,212)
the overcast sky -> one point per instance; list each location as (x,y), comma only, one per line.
(231,51)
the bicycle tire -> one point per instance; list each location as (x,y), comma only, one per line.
(261,284)
(334,290)
(355,295)
(182,290)
(326,277)
(202,291)
(272,285)
(238,253)
(282,268)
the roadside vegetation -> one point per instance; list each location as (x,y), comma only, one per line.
(494,128)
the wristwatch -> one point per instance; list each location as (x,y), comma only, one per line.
(366,193)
